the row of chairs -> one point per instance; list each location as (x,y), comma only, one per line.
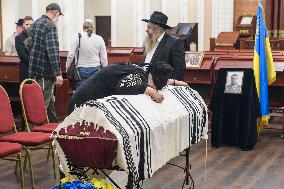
(12,142)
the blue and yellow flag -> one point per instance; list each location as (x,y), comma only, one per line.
(264,71)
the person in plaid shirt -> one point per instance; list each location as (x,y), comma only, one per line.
(44,64)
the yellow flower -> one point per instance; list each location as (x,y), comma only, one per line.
(71,179)
(110,186)
(64,180)
(102,184)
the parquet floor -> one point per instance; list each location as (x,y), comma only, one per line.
(227,167)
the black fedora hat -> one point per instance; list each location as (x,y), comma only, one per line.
(158,18)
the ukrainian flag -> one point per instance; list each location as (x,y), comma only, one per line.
(264,71)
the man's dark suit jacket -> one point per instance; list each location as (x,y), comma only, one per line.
(23,54)
(170,49)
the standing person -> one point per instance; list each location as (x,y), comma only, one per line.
(9,48)
(159,46)
(44,55)
(92,52)
(22,49)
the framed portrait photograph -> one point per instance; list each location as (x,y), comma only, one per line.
(193,59)
(234,82)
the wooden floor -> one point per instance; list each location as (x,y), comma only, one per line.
(227,167)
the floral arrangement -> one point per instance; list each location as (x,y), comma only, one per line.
(94,183)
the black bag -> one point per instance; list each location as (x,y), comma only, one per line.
(73,73)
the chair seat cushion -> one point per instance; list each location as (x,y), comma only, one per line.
(7,148)
(27,138)
(46,128)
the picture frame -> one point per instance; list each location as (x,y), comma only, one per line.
(246,20)
(234,82)
(193,59)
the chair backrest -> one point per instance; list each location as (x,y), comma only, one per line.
(62,99)
(33,102)
(7,122)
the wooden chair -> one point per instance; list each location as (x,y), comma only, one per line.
(34,109)
(31,140)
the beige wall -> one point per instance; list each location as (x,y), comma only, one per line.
(41,5)
(192,11)
(125,34)
(172,10)
(26,8)
(123,21)
(244,7)
(10,14)
(97,8)
(207,24)
(155,5)
(122,24)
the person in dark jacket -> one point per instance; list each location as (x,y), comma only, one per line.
(22,50)
(159,46)
(125,79)
(44,64)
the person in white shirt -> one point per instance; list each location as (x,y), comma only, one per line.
(9,48)
(92,52)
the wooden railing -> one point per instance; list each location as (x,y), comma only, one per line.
(202,79)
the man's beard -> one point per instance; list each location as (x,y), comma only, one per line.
(150,42)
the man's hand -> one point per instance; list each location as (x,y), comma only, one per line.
(158,97)
(154,94)
(59,80)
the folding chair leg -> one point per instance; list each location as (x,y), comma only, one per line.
(16,167)
(25,160)
(21,170)
(48,154)
(53,160)
(28,156)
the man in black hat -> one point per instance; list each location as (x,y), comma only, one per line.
(159,46)
(44,64)
(9,48)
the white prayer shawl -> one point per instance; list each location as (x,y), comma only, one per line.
(149,134)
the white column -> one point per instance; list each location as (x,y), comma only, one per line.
(222,15)
(141,10)
(156,5)
(136,10)
(192,10)
(122,23)
(25,8)
(71,22)
(184,11)
(164,6)
(171,9)
(200,21)
(10,15)
(35,11)
(38,7)
(148,8)
(113,23)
